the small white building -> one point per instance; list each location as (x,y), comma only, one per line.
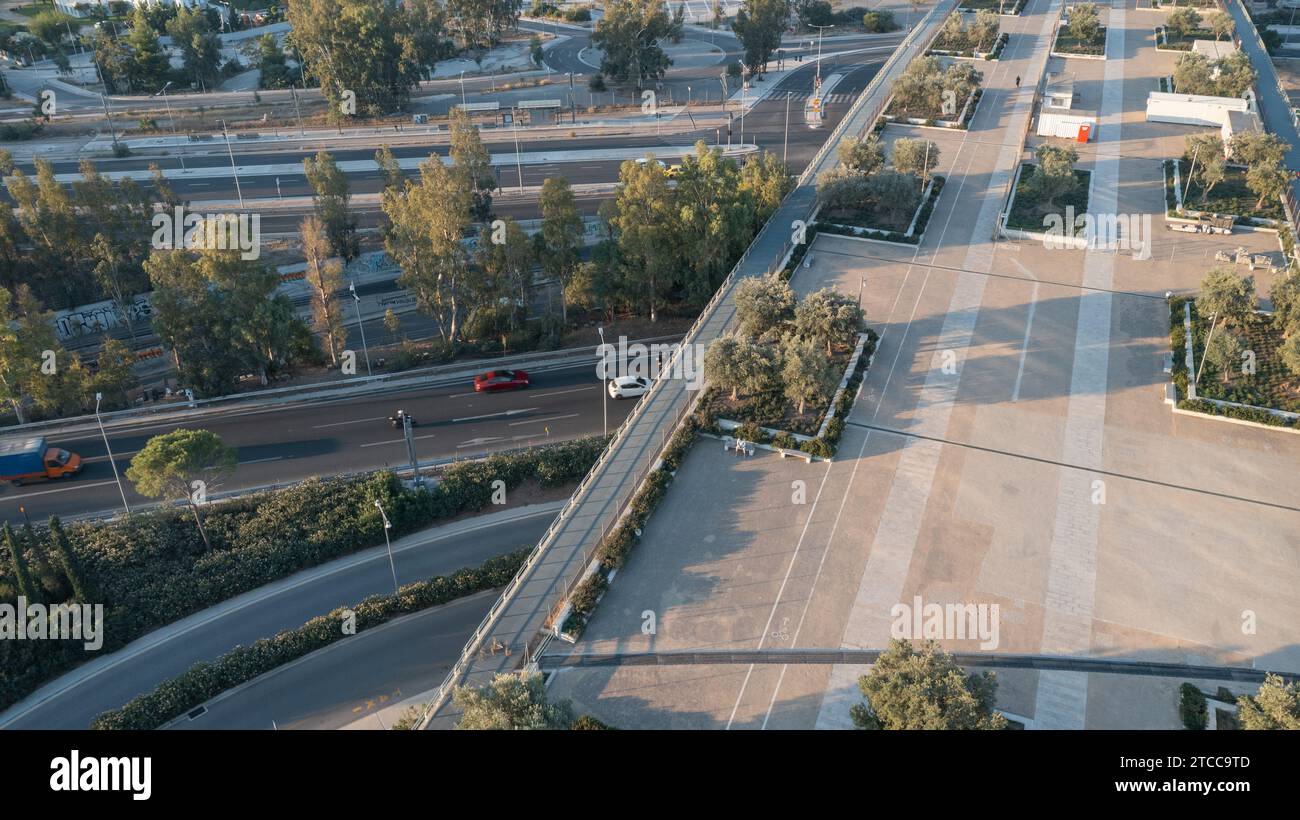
(1213,50)
(1058,116)
(1192,109)
(1238,122)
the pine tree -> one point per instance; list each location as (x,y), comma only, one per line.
(81,591)
(27,587)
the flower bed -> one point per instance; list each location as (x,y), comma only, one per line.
(999,42)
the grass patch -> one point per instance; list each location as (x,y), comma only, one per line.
(1027,213)
(1069,44)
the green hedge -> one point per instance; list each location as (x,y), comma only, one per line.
(1192,707)
(152,568)
(204,681)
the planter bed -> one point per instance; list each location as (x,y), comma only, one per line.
(1009,8)
(1229,196)
(1024,218)
(863,229)
(1270,392)
(1067,46)
(1168,41)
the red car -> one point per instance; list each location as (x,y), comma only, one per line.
(494,380)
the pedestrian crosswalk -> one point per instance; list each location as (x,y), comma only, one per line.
(798,96)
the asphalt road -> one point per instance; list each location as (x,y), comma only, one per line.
(341,436)
(354,678)
(290,603)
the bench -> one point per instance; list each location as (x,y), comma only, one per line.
(794,454)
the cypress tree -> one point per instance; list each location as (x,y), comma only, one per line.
(26,584)
(81,591)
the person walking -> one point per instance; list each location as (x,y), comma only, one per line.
(1017,81)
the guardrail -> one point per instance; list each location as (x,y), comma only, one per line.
(907,50)
(855,657)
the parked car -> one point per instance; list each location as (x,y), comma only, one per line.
(497,380)
(628,387)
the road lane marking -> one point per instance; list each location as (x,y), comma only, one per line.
(341,423)
(1024,346)
(396,441)
(545,418)
(260,460)
(475,442)
(59,490)
(562,392)
(495,415)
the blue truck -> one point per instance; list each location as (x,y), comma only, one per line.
(32,459)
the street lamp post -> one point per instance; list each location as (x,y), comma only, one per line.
(604,393)
(462,89)
(387,526)
(785,141)
(519,165)
(179,153)
(356,300)
(99,397)
(233,169)
(820,30)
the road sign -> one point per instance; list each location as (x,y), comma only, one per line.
(816,103)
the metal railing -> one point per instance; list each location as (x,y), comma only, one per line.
(907,50)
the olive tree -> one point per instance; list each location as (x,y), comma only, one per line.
(1226,295)
(763,303)
(511,701)
(826,317)
(806,375)
(909,688)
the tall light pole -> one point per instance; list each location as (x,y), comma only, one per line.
(179,153)
(744,85)
(356,300)
(604,392)
(99,397)
(388,525)
(785,142)
(820,30)
(233,169)
(519,165)
(462,89)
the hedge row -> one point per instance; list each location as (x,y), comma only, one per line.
(152,569)
(203,681)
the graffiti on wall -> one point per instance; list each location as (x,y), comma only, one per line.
(101,317)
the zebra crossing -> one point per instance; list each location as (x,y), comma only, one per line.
(798,96)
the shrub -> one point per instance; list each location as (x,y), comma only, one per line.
(152,568)
(588,592)
(1192,707)
(785,441)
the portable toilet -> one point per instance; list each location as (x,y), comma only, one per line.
(1085,131)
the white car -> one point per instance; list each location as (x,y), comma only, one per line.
(628,387)
(644,160)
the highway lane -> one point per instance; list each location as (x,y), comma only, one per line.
(284,605)
(339,436)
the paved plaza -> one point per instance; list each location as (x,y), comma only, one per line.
(1041,471)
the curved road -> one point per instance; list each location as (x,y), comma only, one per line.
(108,682)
